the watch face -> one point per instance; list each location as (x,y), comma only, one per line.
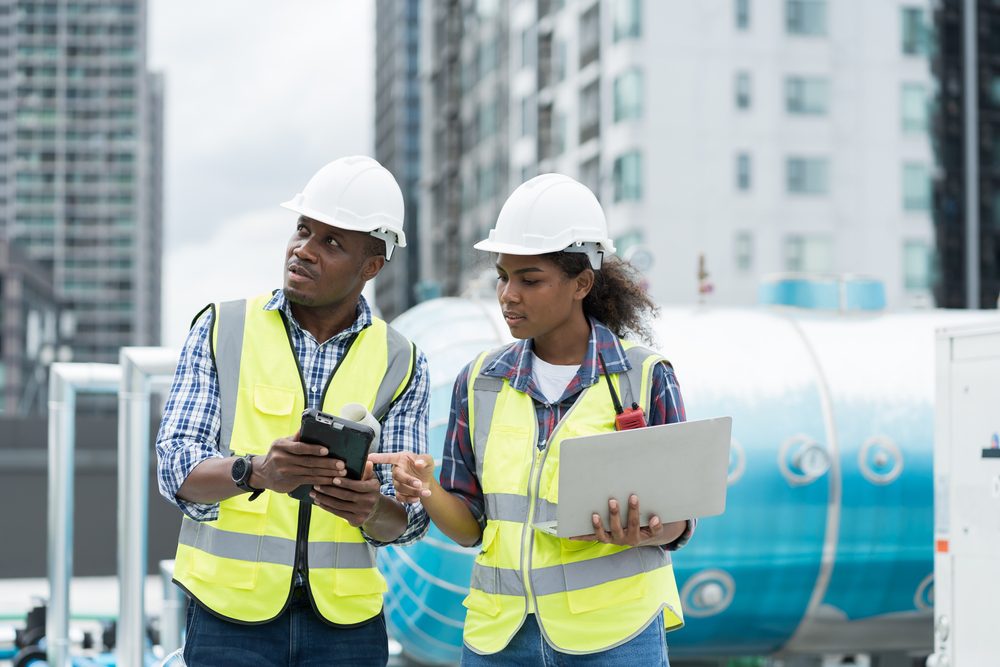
(239,469)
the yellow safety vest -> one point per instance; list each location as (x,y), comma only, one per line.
(241,564)
(588,596)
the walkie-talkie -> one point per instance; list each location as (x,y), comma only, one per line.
(627,418)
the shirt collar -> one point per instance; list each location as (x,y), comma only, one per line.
(515,362)
(363,318)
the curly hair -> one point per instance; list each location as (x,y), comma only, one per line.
(617,298)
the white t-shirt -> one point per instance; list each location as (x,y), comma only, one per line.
(550,379)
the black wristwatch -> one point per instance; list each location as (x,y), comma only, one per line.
(242,469)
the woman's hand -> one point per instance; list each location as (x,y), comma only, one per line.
(632,534)
(412,474)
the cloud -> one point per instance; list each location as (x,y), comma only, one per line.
(240,258)
(258,96)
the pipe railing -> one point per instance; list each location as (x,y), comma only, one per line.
(143,371)
(65,382)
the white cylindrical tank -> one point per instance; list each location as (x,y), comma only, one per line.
(826,542)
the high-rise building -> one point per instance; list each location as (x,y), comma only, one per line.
(952,124)
(465,135)
(397,140)
(744,136)
(29,332)
(80,163)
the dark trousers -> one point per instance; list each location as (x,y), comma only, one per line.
(296,638)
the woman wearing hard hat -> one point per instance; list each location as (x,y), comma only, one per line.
(569,302)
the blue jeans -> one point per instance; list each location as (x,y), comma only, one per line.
(528,647)
(298,637)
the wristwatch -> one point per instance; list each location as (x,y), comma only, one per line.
(241,471)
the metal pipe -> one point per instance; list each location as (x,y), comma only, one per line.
(65,381)
(141,369)
(173,610)
(971,68)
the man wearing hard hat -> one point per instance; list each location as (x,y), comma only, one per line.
(274,580)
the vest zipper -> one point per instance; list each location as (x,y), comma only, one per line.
(534,486)
(302,546)
(527,532)
(305,509)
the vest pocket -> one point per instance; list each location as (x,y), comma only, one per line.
(593,585)
(270,400)
(234,541)
(358,581)
(239,574)
(485,575)
(480,602)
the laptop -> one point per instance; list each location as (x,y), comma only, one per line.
(679,471)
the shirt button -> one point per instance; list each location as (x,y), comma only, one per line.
(315,389)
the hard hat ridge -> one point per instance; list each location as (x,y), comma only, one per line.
(355,193)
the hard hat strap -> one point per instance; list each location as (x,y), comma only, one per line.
(591,250)
(388,237)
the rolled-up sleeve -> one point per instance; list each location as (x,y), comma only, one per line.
(189,431)
(404,428)
(667,407)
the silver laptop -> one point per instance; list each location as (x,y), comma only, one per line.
(678,471)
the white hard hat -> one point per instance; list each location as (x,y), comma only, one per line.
(355,193)
(551,213)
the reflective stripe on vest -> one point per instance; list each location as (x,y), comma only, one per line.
(569,576)
(587,596)
(241,565)
(277,550)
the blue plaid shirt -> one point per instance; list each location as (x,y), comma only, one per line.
(458,462)
(189,432)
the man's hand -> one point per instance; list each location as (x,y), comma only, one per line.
(412,474)
(355,501)
(632,534)
(290,463)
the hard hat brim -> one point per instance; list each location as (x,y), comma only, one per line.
(333,221)
(488,245)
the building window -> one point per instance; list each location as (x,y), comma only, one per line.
(742,8)
(590,35)
(559,61)
(917,263)
(805,17)
(628,19)
(743,249)
(914,106)
(628,95)
(807,95)
(627,177)
(915,32)
(743,90)
(916,187)
(808,254)
(528,116)
(488,58)
(743,167)
(590,175)
(590,112)
(529,44)
(486,182)
(807,176)
(560,130)
(487,120)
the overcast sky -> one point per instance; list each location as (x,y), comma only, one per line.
(259,95)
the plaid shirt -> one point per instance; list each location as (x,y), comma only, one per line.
(189,432)
(458,463)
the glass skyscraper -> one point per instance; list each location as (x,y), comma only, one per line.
(81,163)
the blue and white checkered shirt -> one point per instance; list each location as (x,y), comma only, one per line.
(189,432)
